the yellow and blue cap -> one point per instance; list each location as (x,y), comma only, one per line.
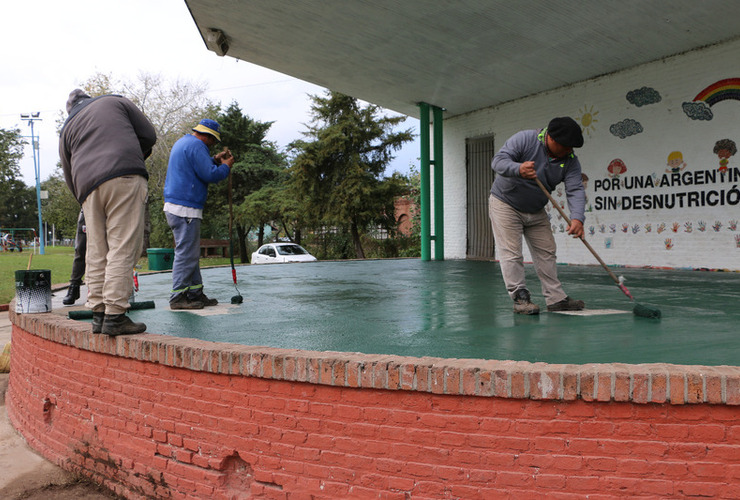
(210,127)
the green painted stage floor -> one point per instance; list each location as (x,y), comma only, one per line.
(458,309)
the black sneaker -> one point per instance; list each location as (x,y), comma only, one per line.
(120,324)
(182,302)
(206,301)
(567,304)
(97,322)
(73,293)
(523,304)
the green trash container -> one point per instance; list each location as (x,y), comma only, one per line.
(160,259)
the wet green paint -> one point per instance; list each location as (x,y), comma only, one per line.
(458,309)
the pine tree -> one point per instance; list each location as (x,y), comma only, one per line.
(337,173)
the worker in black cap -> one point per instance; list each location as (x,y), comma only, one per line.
(517,208)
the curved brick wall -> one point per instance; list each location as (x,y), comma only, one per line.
(162,417)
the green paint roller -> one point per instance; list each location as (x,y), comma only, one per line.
(87,313)
(639,309)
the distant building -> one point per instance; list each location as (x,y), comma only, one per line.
(405,210)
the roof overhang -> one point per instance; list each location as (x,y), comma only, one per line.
(460,55)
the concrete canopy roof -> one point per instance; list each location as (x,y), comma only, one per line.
(461,55)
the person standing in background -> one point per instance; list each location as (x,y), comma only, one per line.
(78,264)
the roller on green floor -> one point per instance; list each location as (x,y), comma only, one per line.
(639,309)
(87,313)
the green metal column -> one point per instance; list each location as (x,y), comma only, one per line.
(426,233)
(439,240)
(424,174)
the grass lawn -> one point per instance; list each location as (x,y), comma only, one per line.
(59,261)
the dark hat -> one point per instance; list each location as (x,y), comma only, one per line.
(566,132)
(210,127)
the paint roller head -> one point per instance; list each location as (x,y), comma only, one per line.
(646,311)
(87,313)
(237,299)
(146,304)
(80,314)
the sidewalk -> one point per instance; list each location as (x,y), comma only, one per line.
(26,474)
(5,327)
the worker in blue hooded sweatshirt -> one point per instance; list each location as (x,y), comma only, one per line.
(190,170)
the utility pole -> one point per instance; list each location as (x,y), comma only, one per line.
(32,117)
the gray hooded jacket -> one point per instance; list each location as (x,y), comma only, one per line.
(103,138)
(523,194)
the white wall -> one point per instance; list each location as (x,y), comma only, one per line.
(702,230)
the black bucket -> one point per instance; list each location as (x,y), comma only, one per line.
(33,291)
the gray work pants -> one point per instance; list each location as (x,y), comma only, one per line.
(186,277)
(509,227)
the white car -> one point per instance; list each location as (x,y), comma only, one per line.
(276,253)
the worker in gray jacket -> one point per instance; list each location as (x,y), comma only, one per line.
(517,208)
(102,146)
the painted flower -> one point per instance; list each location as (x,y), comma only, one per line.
(616,168)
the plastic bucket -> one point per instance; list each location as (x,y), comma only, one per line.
(33,291)
(160,259)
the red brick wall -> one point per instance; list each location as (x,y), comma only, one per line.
(156,416)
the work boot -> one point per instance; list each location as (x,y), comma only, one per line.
(97,322)
(206,301)
(523,304)
(567,304)
(73,293)
(120,324)
(182,302)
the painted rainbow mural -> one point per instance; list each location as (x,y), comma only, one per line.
(729,88)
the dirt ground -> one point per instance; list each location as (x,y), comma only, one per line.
(24,474)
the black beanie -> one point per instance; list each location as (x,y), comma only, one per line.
(566,132)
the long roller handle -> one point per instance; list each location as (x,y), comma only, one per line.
(231,238)
(231,208)
(588,245)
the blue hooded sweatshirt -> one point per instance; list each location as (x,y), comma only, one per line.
(189,172)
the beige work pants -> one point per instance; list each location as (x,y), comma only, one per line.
(114,214)
(509,227)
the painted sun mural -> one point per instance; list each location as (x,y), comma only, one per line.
(587,119)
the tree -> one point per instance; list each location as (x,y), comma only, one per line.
(256,177)
(173,108)
(17,201)
(61,209)
(336,176)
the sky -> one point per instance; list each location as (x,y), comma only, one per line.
(53,46)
